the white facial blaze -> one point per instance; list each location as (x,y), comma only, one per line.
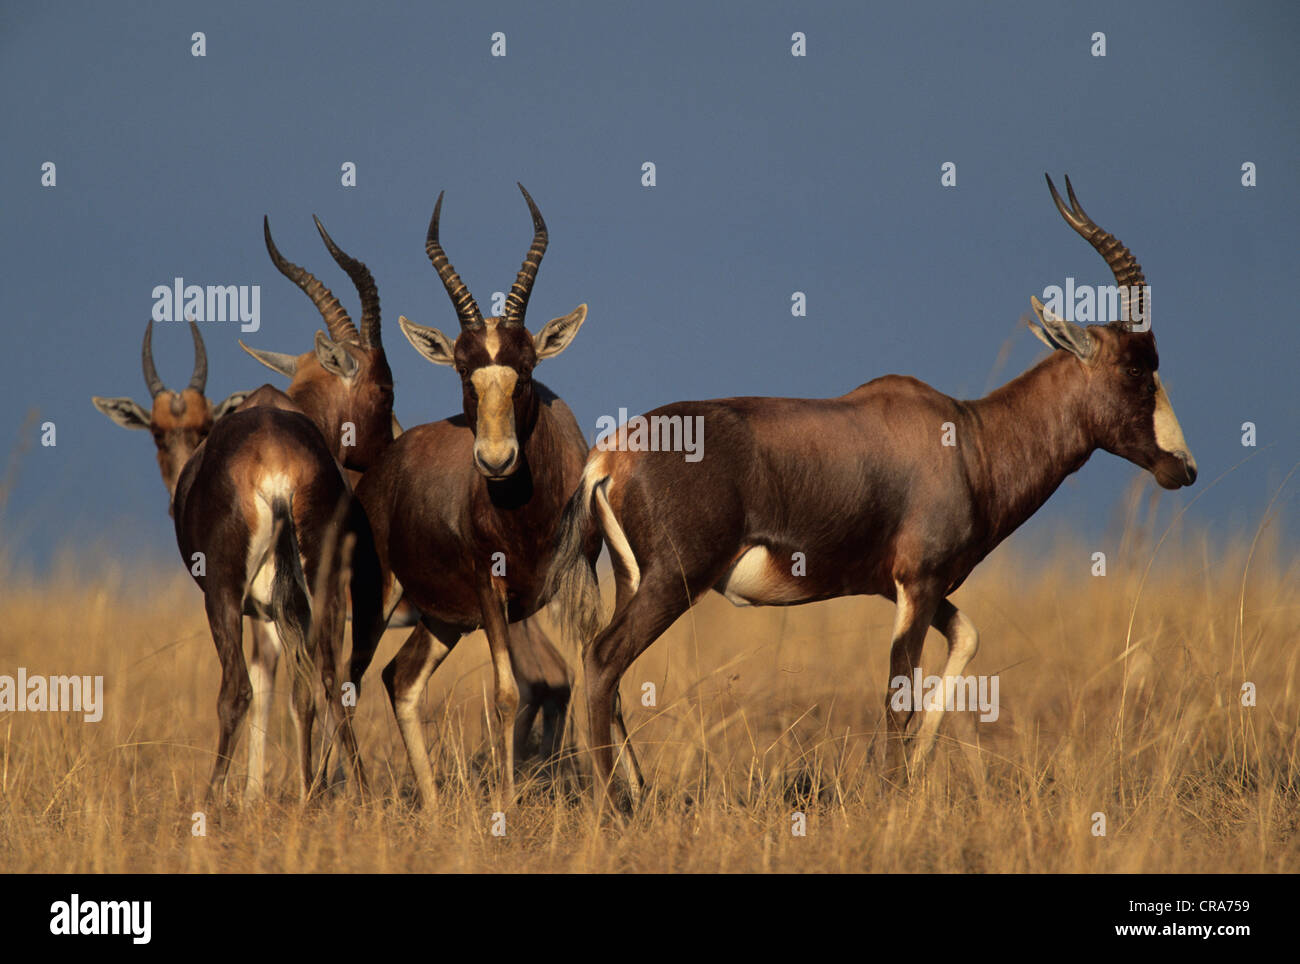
(492,338)
(1169,434)
(494,437)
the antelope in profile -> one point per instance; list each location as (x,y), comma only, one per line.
(465,510)
(863,487)
(345,381)
(267,525)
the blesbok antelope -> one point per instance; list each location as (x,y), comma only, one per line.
(179,421)
(863,486)
(267,526)
(465,510)
(345,381)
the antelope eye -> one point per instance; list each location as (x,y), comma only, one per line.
(1135,372)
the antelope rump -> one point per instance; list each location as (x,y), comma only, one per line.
(267,526)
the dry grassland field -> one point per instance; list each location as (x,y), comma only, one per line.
(1118,695)
(823,333)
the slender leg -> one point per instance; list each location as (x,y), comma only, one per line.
(492,602)
(529,680)
(553,711)
(623,593)
(225,620)
(338,718)
(626,755)
(545,683)
(405,679)
(963,641)
(915,609)
(367,583)
(650,610)
(304,715)
(266,657)
(531,704)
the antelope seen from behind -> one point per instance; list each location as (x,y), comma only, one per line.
(267,526)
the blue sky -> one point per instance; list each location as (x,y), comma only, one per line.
(775,174)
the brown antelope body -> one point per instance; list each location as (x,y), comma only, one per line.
(266,523)
(863,486)
(465,510)
(345,386)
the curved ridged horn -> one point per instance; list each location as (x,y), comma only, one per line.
(199,380)
(466,307)
(151,379)
(517,300)
(336,317)
(1123,265)
(364,282)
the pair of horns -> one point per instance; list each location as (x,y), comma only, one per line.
(336,317)
(467,310)
(1125,267)
(198,381)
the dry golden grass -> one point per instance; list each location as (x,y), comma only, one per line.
(760,713)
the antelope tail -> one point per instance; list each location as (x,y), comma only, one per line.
(571,579)
(290,602)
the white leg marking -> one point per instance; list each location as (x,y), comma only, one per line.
(394,599)
(903,608)
(261,673)
(406,707)
(963,642)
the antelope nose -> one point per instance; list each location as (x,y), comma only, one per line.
(1189,466)
(496,463)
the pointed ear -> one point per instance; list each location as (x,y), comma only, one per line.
(1041,335)
(123,411)
(335,358)
(1059,333)
(558,332)
(231,402)
(277,361)
(429,342)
